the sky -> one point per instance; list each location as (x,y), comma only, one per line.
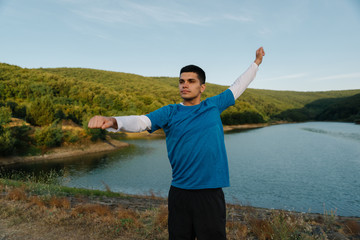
(309,45)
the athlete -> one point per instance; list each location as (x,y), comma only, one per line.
(196,151)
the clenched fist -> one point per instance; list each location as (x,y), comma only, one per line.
(102,122)
(259,55)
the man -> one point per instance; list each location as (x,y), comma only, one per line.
(196,150)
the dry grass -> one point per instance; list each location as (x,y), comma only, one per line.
(24,215)
(261,228)
(236,230)
(97,221)
(93,209)
(37,201)
(17,194)
(161,219)
(352,227)
(59,202)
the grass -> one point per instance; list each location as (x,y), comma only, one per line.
(20,206)
(40,210)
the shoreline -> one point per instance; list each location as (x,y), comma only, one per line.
(148,200)
(107,146)
(63,153)
(229,128)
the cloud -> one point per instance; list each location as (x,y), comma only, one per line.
(238,18)
(340,77)
(304,75)
(292,76)
(307,82)
(133,13)
(104,15)
(164,14)
(139,14)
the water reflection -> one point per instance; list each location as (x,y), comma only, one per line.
(348,135)
(76,166)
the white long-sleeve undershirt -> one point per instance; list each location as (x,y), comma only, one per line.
(242,82)
(133,123)
(139,123)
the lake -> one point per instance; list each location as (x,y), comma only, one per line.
(306,167)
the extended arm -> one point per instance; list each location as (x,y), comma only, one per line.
(242,82)
(124,123)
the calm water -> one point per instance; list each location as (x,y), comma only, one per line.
(304,167)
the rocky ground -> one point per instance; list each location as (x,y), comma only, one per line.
(24,216)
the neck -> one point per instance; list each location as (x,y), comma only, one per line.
(191,102)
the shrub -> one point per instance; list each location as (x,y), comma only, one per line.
(50,136)
(5,115)
(22,139)
(71,136)
(7,141)
(41,111)
(20,111)
(233,118)
(94,134)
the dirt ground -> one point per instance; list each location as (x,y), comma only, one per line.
(83,217)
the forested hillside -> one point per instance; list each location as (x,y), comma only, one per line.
(139,95)
(42,97)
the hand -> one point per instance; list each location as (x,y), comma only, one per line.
(259,55)
(102,122)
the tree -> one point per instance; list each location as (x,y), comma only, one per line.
(234,118)
(5,115)
(6,141)
(50,136)
(21,140)
(20,112)
(41,111)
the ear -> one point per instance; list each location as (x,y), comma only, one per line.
(202,88)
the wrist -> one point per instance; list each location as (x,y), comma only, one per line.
(115,125)
(258,62)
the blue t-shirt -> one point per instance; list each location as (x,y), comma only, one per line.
(195,141)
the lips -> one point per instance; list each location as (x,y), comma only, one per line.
(185,91)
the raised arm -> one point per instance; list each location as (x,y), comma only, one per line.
(242,82)
(123,123)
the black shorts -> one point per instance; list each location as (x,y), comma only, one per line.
(197,213)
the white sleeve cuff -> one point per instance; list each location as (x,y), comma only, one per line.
(132,123)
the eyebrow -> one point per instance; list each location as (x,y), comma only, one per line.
(190,79)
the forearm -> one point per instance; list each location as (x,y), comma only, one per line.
(242,82)
(131,124)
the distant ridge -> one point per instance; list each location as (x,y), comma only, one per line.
(78,93)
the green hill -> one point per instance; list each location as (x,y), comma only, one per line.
(346,109)
(42,95)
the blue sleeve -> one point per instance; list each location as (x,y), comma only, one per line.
(159,118)
(223,100)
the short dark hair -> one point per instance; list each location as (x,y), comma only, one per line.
(195,69)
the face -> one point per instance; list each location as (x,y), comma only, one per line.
(190,87)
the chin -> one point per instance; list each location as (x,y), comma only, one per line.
(187,98)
